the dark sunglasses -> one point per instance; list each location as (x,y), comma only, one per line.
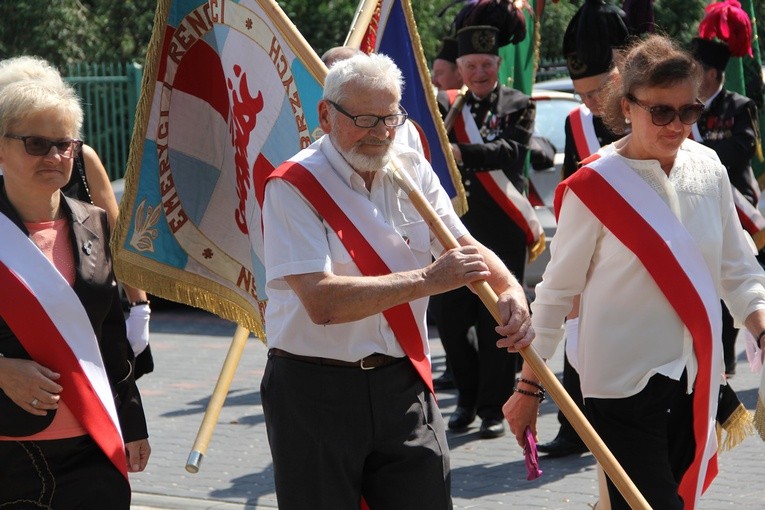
(661,114)
(370,121)
(40,146)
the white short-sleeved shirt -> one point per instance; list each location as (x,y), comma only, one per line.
(298,241)
(628,331)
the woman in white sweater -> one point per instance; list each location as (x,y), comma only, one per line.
(649,236)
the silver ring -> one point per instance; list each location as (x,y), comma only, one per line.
(34,402)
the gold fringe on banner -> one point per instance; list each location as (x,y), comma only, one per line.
(537,248)
(195,291)
(737,427)
(759,417)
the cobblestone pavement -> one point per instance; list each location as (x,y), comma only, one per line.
(189,348)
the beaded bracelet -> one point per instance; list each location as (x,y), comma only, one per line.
(540,394)
(530,383)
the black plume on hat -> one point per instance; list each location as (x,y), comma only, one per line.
(592,34)
(502,14)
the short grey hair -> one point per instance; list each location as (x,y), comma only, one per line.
(375,71)
(24,98)
(27,68)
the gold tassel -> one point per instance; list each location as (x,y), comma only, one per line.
(759,418)
(537,248)
(738,426)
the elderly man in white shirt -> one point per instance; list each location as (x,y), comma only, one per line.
(347,390)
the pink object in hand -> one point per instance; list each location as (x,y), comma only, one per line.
(531,456)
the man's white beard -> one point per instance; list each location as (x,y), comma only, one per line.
(366,163)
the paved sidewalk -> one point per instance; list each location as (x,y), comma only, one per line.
(189,348)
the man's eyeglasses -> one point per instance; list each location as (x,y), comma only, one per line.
(594,94)
(40,146)
(661,114)
(370,121)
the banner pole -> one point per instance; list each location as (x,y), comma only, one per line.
(217,399)
(362,18)
(489,298)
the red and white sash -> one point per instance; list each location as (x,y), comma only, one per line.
(751,218)
(375,247)
(643,222)
(497,185)
(583,129)
(49,320)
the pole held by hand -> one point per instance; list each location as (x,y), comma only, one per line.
(555,389)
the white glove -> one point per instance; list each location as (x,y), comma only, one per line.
(137,325)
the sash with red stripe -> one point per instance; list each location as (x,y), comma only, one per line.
(751,218)
(313,184)
(642,221)
(495,182)
(49,320)
(583,129)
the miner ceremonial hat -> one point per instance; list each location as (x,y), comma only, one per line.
(448,50)
(487,25)
(477,39)
(592,34)
(711,53)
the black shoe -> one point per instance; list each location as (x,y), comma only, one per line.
(561,447)
(444,382)
(461,419)
(491,428)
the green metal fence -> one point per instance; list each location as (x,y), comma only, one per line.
(109,93)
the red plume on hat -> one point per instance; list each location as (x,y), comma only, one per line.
(502,14)
(728,22)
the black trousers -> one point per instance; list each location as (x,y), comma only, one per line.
(484,378)
(729,334)
(339,433)
(573,386)
(61,474)
(651,435)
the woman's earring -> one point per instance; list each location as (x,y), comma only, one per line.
(627,120)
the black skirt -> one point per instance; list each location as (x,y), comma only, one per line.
(60,474)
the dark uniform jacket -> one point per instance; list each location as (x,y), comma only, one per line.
(505,119)
(729,127)
(96,287)
(572,158)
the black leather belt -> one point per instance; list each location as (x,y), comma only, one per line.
(368,363)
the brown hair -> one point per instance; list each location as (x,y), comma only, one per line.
(656,61)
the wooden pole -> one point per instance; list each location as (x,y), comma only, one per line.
(217,399)
(455,109)
(361,20)
(537,364)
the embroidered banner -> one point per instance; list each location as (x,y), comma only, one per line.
(230,91)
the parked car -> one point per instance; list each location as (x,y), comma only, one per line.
(552,109)
(559,84)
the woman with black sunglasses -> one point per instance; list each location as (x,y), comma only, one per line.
(90,183)
(71,420)
(649,236)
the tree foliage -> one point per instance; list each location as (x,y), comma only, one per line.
(66,31)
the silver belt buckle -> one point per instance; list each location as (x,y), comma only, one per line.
(361,364)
